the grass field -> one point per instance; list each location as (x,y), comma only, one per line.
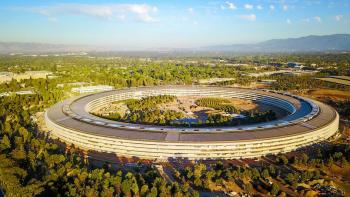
(334,94)
(342,77)
(334,80)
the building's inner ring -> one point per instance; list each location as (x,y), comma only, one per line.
(298,109)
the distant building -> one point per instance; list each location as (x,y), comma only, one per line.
(294,64)
(268,73)
(61,85)
(22,92)
(275,64)
(214,80)
(237,65)
(8,76)
(38,74)
(5,94)
(5,76)
(267,81)
(283,72)
(25,92)
(91,89)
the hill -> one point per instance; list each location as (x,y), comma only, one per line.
(335,42)
(326,43)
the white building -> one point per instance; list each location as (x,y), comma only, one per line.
(8,76)
(91,89)
(5,94)
(308,123)
(25,92)
(5,76)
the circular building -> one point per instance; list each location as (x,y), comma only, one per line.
(307,122)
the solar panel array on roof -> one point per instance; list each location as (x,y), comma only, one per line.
(80,119)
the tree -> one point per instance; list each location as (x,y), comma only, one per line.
(274,189)
(195,193)
(8,128)
(24,133)
(248,187)
(198,168)
(337,155)
(197,182)
(135,188)
(290,178)
(330,162)
(265,173)
(108,192)
(154,192)
(5,143)
(282,194)
(272,170)
(18,154)
(144,190)
(126,187)
(305,158)
(344,162)
(255,174)
(284,160)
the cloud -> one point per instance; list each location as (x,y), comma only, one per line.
(338,17)
(228,5)
(248,17)
(285,7)
(141,12)
(272,7)
(248,6)
(306,20)
(318,19)
(288,21)
(190,10)
(259,7)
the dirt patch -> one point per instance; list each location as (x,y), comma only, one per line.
(243,105)
(187,105)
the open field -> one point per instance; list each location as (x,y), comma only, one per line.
(329,93)
(334,80)
(342,77)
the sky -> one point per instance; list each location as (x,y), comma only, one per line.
(168,24)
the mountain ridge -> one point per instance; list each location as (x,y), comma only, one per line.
(311,43)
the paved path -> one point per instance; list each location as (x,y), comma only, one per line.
(163,174)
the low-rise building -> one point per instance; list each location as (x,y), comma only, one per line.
(8,76)
(294,64)
(214,80)
(5,94)
(91,89)
(24,92)
(5,76)
(32,74)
